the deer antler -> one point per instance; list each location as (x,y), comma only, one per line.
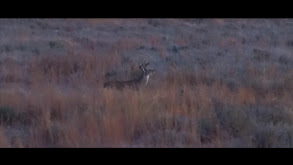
(146,64)
(142,67)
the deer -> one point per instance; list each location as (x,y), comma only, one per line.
(135,83)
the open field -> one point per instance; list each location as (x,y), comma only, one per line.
(218,83)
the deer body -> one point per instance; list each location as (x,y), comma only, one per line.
(134,83)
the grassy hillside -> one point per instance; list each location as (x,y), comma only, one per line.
(218,83)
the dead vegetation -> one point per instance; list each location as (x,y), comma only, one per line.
(50,100)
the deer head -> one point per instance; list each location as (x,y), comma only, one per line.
(146,72)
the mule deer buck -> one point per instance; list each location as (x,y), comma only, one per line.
(134,83)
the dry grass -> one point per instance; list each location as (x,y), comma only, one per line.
(179,110)
(59,101)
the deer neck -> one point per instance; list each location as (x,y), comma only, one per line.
(140,78)
(147,80)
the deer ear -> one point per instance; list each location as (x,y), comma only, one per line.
(142,68)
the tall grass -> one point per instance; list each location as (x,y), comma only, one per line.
(64,105)
(59,101)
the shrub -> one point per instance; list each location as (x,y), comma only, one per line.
(269,114)
(266,137)
(55,44)
(7,115)
(207,129)
(261,55)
